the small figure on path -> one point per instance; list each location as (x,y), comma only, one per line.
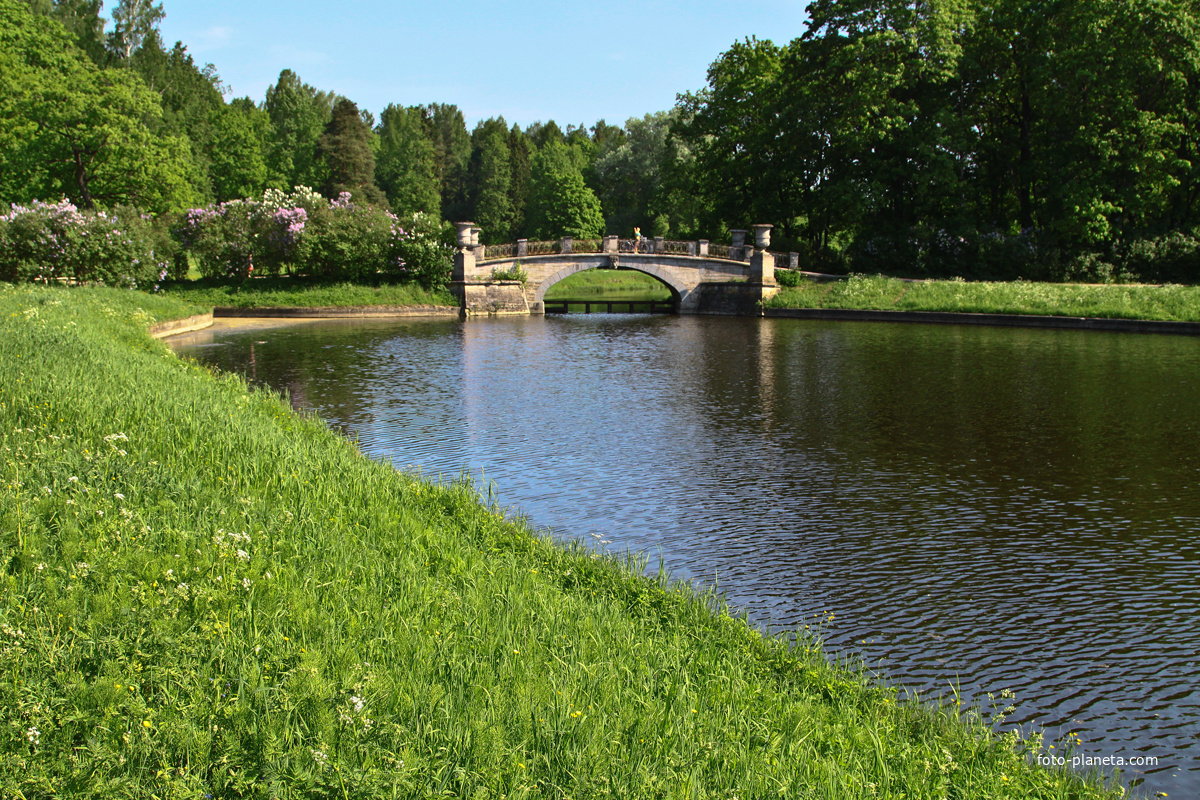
(637,238)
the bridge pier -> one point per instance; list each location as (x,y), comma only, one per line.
(478,294)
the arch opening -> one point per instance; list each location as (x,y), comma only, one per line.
(597,289)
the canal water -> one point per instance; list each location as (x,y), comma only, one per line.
(964,509)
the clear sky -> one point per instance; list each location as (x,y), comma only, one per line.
(528,60)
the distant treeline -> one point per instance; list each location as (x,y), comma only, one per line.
(121,120)
(1052,140)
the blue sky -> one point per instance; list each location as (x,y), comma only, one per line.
(572,62)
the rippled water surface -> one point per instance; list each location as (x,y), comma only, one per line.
(986,508)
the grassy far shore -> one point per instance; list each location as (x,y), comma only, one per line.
(205,594)
(1171,303)
(275,292)
(609,284)
(1176,303)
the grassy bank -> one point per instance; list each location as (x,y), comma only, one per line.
(275,292)
(204,594)
(1181,303)
(594,285)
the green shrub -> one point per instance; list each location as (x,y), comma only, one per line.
(347,240)
(1174,258)
(513,273)
(302,233)
(788,278)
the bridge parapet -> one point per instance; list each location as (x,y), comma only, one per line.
(739,250)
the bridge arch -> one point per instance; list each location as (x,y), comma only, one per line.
(678,288)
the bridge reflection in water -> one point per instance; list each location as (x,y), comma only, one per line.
(610,306)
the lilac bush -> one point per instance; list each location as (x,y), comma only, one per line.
(51,242)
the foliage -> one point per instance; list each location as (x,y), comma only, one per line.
(48,242)
(406,168)
(351,241)
(560,203)
(788,278)
(514,273)
(69,128)
(206,593)
(228,237)
(422,251)
(896,127)
(302,233)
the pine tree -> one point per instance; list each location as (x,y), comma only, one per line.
(345,150)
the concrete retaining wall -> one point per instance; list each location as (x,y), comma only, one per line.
(161,330)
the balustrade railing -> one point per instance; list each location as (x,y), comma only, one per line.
(644,245)
(493,251)
(588,245)
(543,248)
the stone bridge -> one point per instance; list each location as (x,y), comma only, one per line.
(703,278)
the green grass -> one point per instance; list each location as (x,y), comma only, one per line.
(1017,297)
(274,292)
(203,593)
(609,284)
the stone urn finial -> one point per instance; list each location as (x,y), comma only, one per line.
(762,236)
(464,230)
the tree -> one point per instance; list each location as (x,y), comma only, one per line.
(133,21)
(560,203)
(491,179)
(347,153)
(452,151)
(630,173)
(520,159)
(71,129)
(82,20)
(728,125)
(406,168)
(191,98)
(299,114)
(238,166)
